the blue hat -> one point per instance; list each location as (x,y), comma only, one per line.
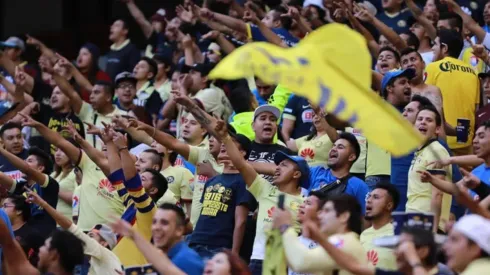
(409,73)
(304,181)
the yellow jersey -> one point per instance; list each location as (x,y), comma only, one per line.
(380,257)
(315,151)
(460,90)
(419,194)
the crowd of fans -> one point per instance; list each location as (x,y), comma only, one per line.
(133,161)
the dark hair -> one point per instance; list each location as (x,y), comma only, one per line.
(353,142)
(156,158)
(69,248)
(158,181)
(422,100)
(392,192)
(390,49)
(313,131)
(241,99)
(58,169)
(408,51)
(8,126)
(347,203)
(412,41)
(434,110)
(421,238)
(43,158)
(21,205)
(286,21)
(320,195)
(173,156)
(107,85)
(453,40)
(237,264)
(153,65)
(178,212)
(124,21)
(455,21)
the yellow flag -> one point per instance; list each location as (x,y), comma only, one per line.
(274,260)
(332,68)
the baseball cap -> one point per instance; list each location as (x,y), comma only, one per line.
(483,75)
(409,73)
(267,108)
(304,181)
(203,68)
(318,3)
(124,76)
(105,233)
(14,42)
(475,228)
(215,48)
(159,16)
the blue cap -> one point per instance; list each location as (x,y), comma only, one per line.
(304,181)
(409,73)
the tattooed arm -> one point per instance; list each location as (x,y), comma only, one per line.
(206,120)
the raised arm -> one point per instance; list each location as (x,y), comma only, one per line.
(127,161)
(139,17)
(9,66)
(71,151)
(217,36)
(228,21)
(95,155)
(164,139)
(153,255)
(60,219)
(266,32)
(23,166)
(14,256)
(75,99)
(422,19)
(388,32)
(45,50)
(247,171)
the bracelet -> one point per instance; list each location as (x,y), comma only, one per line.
(416,265)
(123,148)
(283,228)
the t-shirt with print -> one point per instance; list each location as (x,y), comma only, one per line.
(419,194)
(148,98)
(299,110)
(88,114)
(307,243)
(379,256)
(216,224)
(315,151)
(265,153)
(67,184)
(321,176)
(30,239)
(267,195)
(198,155)
(8,169)
(359,167)
(98,199)
(254,32)
(179,182)
(453,76)
(48,191)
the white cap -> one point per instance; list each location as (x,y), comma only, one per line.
(318,3)
(475,228)
(370,7)
(267,108)
(14,42)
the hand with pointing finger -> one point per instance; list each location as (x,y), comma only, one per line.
(469,180)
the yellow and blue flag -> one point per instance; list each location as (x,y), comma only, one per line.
(332,68)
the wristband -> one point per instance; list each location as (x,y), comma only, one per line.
(123,148)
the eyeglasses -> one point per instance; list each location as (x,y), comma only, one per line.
(125,86)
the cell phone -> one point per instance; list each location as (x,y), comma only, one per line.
(280,202)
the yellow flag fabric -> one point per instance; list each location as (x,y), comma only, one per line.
(274,260)
(332,68)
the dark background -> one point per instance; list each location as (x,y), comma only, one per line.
(65,25)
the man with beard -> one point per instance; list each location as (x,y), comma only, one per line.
(396,89)
(380,203)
